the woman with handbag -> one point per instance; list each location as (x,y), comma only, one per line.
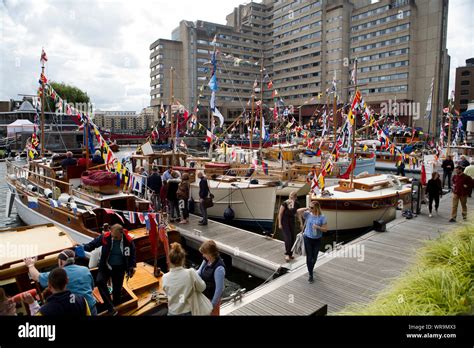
(212,271)
(184,287)
(314,226)
(286,223)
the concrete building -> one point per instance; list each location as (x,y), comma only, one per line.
(464,89)
(126,121)
(400,46)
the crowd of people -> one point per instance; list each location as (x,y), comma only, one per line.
(69,288)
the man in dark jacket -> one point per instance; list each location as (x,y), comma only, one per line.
(448,167)
(203,193)
(154,184)
(63,302)
(462,186)
(116,259)
(69,160)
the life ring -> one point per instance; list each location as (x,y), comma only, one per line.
(346,204)
(375,204)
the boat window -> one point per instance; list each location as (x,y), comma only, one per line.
(68,220)
(119,204)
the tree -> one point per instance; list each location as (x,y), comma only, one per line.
(69,94)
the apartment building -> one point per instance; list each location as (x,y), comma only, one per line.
(400,46)
(464,88)
(126,121)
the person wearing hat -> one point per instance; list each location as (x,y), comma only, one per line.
(80,278)
(462,186)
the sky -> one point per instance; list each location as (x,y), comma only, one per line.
(102,46)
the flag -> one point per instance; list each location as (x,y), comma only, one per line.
(213,83)
(141,217)
(349,170)
(130,216)
(147,221)
(265,167)
(321,182)
(44,57)
(33,202)
(153,234)
(270,85)
(214,41)
(218,114)
(209,136)
(353,73)
(365,147)
(423,174)
(354,107)
(334,82)
(428,103)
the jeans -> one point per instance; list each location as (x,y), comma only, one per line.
(430,202)
(117,273)
(311,247)
(203,211)
(447,174)
(174,208)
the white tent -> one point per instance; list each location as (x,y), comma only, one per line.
(20,126)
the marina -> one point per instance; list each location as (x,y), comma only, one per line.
(273,163)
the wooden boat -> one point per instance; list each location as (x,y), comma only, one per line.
(373,198)
(142,294)
(82,212)
(252,203)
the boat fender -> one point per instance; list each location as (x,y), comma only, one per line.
(64,198)
(48,193)
(32,188)
(229,214)
(254,182)
(56,193)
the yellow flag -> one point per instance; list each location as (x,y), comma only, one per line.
(365,147)
(351,117)
(321,182)
(119,167)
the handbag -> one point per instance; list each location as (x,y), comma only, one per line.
(298,246)
(208,201)
(200,304)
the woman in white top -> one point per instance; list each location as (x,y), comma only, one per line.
(178,283)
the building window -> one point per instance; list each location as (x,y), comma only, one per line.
(466,73)
(465,92)
(465,83)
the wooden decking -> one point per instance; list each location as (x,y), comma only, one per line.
(340,281)
(253,253)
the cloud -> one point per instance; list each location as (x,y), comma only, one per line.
(102,47)
(460,42)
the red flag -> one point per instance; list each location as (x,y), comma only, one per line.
(351,167)
(270,85)
(153,235)
(164,240)
(44,57)
(423,174)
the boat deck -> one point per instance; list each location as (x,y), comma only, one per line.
(253,253)
(363,268)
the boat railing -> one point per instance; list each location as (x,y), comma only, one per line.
(37,178)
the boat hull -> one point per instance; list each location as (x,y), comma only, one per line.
(250,203)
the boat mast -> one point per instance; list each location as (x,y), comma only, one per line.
(251,123)
(87,143)
(173,135)
(354,129)
(448,151)
(42,109)
(334,111)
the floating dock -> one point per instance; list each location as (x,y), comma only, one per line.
(252,253)
(357,274)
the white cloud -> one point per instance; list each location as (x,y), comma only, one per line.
(460,41)
(102,47)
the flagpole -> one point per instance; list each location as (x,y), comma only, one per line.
(42,109)
(251,122)
(173,135)
(354,129)
(87,143)
(448,152)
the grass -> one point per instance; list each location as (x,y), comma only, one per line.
(440,282)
